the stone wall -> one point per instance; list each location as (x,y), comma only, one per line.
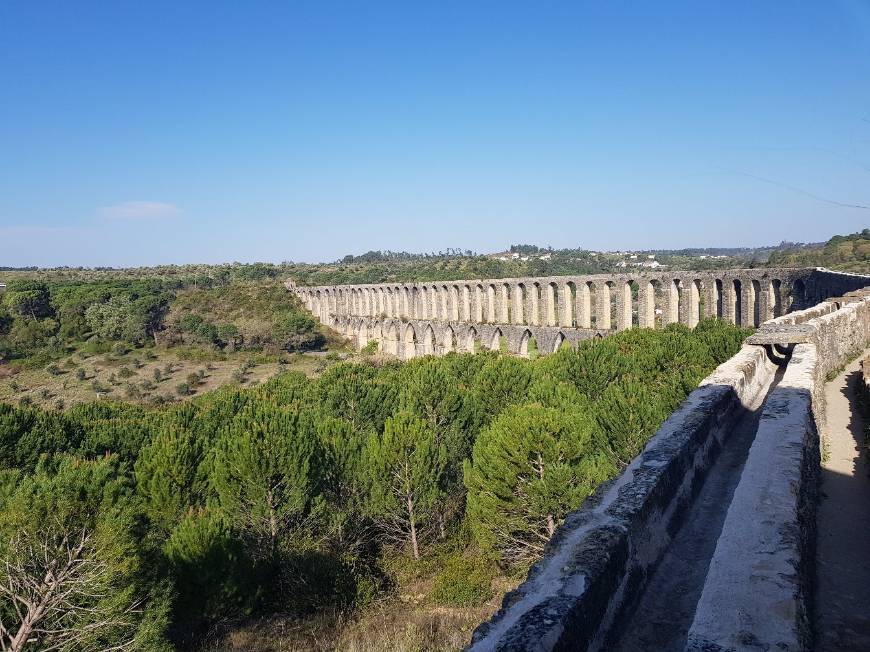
(759,585)
(601,556)
(577,307)
(600,300)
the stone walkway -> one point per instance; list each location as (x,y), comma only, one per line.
(843,589)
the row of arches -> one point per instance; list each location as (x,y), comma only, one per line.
(408,340)
(603,304)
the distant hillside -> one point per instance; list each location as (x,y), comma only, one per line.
(850,253)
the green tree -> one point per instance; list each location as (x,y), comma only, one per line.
(29,299)
(404,467)
(73,565)
(263,474)
(530,467)
(166,475)
(214,579)
(117,319)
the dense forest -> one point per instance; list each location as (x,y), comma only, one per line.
(126,527)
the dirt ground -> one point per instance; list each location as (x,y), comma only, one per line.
(843,588)
(141,376)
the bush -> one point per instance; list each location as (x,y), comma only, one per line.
(463,582)
(183,389)
(80,374)
(54,370)
(126,372)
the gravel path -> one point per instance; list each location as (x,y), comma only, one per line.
(843,558)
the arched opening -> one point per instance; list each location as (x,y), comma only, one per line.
(478,304)
(504,306)
(448,340)
(608,299)
(470,345)
(491,304)
(798,295)
(696,302)
(428,341)
(410,341)
(585,301)
(362,336)
(525,344)
(737,301)
(518,304)
(718,310)
(569,313)
(560,342)
(391,340)
(776,297)
(755,302)
(497,342)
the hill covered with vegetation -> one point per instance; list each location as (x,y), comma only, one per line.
(849,253)
(70,336)
(377,487)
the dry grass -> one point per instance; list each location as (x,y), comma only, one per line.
(390,626)
(44,389)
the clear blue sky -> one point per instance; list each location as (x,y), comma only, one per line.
(151,132)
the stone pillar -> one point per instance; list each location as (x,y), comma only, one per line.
(584,305)
(517,304)
(729,301)
(623,305)
(646,304)
(491,304)
(602,309)
(711,298)
(503,303)
(672,302)
(747,304)
(689,303)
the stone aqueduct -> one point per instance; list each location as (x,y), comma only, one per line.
(433,318)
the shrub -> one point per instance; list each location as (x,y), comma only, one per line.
(183,389)
(54,370)
(126,372)
(80,374)
(193,379)
(463,582)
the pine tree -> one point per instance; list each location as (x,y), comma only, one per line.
(404,467)
(166,475)
(263,473)
(530,467)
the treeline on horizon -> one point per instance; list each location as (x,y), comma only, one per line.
(840,252)
(293,497)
